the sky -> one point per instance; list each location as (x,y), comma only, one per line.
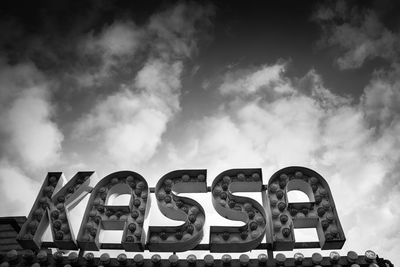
(156,86)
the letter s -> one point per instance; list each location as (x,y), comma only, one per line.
(188,235)
(247,210)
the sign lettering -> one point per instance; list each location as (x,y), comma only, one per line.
(275,219)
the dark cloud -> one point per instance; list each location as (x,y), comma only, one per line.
(358,32)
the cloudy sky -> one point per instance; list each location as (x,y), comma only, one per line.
(158,86)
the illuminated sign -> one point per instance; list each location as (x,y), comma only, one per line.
(275,219)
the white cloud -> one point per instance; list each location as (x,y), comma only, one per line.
(267,78)
(31,137)
(17,191)
(30,140)
(160,83)
(106,53)
(382,97)
(118,39)
(127,126)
